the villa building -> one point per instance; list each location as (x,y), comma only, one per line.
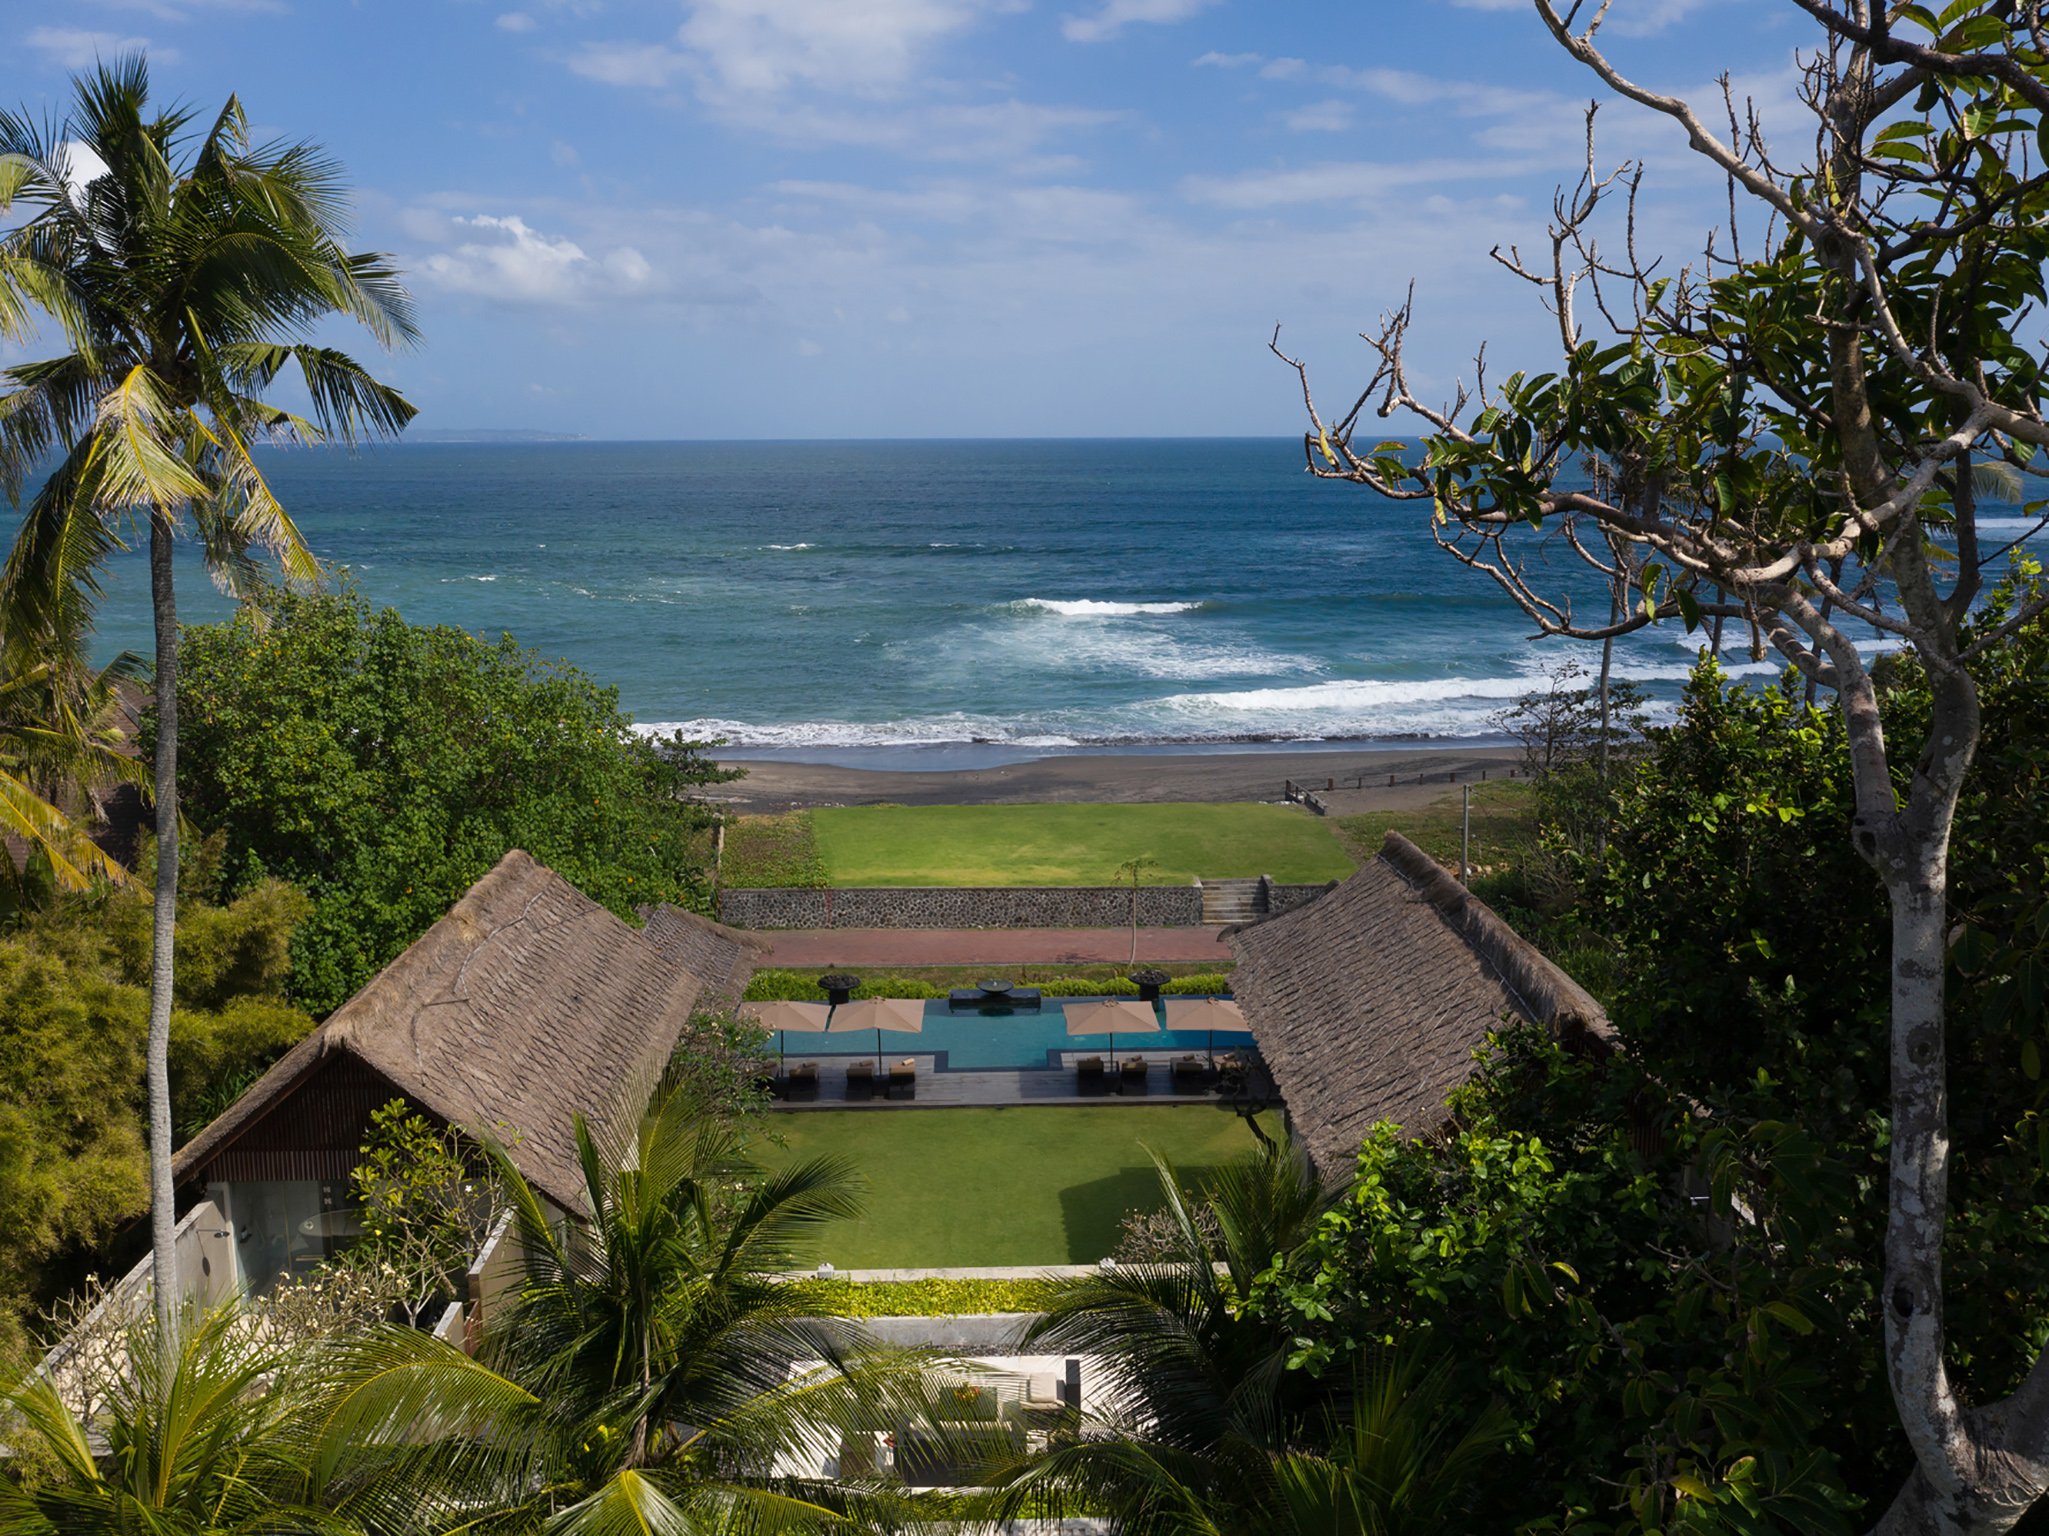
(527,1004)
(1369,1002)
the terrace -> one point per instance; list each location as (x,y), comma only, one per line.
(1000,1044)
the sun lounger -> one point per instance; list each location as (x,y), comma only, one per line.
(861,1080)
(801,1081)
(1088,1075)
(1190,1069)
(903,1077)
(1131,1074)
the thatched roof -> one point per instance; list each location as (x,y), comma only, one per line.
(1369,1002)
(721,958)
(526,1004)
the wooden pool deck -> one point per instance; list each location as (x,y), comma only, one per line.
(942,1088)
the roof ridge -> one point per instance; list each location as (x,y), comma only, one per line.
(1549,996)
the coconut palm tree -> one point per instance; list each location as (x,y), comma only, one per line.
(650,1373)
(183,271)
(215,1434)
(1200,1395)
(59,741)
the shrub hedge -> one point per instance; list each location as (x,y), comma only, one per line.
(802,986)
(929,1298)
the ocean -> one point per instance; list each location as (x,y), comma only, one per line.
(937,602)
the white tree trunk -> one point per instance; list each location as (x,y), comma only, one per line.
(1977,1470)
(163,931)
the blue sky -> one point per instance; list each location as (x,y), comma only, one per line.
(912,218)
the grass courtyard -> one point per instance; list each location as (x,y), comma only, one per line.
(986,1187)
(1072,844)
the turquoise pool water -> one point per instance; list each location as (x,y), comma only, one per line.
(986,1041)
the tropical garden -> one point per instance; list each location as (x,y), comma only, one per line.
(1775,1265)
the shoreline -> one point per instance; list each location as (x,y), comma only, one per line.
(1421,776)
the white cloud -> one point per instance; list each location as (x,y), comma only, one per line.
(1337,182)
(812,73)
(1631,18)
(563,153)
(516,21)
(652,65)
(77,48)
(764,46)
(1215,60)
(1014,133)
(1116,15)
(1320,117)
(81,164)
(516,263)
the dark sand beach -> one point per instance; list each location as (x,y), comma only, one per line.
(1362,775)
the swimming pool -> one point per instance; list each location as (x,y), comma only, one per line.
(988,1041)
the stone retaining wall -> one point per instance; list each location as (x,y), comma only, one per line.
(1033,906)
(1286,898)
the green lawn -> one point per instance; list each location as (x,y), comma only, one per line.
(985,1187)
(1072,844)
(1504,823)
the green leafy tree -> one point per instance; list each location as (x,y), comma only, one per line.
(1789,436)
(1710,1353)
(74,1019)
(384,767)
(1659,1363)
(184,272)
(426,1207)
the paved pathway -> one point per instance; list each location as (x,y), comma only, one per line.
(798,948)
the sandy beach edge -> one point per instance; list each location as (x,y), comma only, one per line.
(1365,779)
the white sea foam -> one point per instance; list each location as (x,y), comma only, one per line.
(1123,651)
(2009,525)
(943,730)
(1090,608)
(789,546)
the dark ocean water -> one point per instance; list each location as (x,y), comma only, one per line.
(894,594)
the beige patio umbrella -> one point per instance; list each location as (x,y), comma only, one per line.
(798,1018)
(899,1015)
(1217,1015)
(1117,1016)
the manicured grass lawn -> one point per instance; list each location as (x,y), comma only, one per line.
(1072,844)
(1504,821)
(985,1187)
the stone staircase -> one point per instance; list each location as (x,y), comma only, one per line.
(1232,901)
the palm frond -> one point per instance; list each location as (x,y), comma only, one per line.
(137,442)
(50,581)
(74,858)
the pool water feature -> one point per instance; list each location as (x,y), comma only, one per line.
(983,1042)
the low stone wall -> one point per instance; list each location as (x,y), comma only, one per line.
(1286,898)
(937,906)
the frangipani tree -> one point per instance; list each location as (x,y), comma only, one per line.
(1794,434)
(183,272)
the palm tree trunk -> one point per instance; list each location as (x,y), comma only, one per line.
(163,934)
